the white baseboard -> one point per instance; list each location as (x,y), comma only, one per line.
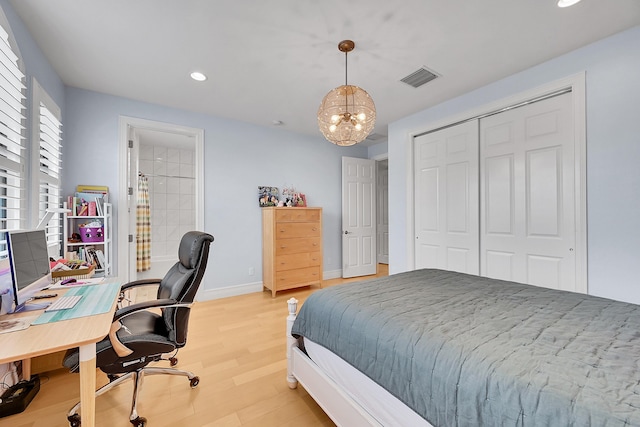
(334,274)
(248,288)
(229,291)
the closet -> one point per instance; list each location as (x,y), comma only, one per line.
(495,195)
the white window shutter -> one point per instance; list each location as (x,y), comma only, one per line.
(48,165)
(12,150)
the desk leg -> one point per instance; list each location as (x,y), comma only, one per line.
(26,369)
(88,384)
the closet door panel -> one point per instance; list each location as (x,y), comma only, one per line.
(499,265)
(446,199)
(527,194)
(458,198)
(499,201)
(545,192)
(429,200)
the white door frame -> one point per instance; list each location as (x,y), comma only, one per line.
(577,83)
(123,226)
(359,231)
(381,259)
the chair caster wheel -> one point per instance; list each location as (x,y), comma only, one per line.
(74,420)
(139,422)
(173,361)
(194,382)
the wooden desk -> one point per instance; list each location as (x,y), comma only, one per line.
(82,332)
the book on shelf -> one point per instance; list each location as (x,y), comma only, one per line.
(101,258)
(93,256)
(92,188)
(89,200)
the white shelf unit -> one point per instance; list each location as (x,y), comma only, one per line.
(70,226)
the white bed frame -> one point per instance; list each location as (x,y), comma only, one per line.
(337,404)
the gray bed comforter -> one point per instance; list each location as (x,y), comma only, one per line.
(463,350)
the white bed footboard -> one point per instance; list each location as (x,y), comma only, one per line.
(335,402)
(291,342)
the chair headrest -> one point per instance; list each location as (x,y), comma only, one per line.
(191,248)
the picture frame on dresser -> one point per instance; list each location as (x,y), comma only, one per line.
(267,196)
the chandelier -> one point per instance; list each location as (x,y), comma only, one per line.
(347,114)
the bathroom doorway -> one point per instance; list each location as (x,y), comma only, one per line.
(166,161)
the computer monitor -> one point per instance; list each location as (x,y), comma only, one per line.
(30,267)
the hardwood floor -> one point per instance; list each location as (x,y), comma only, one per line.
(235,345)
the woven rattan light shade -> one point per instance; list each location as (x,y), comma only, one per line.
(347,113)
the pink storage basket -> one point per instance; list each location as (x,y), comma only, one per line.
(91,234)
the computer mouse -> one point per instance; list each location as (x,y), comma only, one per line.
(68,281)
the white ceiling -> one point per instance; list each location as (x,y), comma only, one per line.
(275,60)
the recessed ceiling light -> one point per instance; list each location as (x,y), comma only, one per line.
(567,3)
(198,76)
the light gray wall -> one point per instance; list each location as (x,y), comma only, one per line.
(238,158)
(36,66)
(613,157)
(379,150)
(35,62)
(275,157)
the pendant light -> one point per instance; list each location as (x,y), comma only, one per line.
(347,114)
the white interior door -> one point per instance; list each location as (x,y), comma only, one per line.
(446,199)
(382,216)
(527,195)
(358,217)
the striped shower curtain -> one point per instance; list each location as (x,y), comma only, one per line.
(143,226)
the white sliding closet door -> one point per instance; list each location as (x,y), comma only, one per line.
(527,174)
(446,199)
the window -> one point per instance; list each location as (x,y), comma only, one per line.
(12,151)
(46,162)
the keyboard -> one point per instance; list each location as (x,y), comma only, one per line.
(64,303)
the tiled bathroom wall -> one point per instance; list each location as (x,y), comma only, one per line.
(170,172)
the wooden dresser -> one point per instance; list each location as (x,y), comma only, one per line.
(291,248)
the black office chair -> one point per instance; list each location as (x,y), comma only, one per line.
(139,336)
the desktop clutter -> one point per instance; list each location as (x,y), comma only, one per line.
(64,269)
(28,270)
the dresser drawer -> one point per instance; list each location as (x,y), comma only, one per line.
(294,246)
(298,277)
(287,230)
(298,214)
(301,260)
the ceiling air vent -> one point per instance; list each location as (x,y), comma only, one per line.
(420,77)
(375,136)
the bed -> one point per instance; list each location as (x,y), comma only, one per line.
(463,350)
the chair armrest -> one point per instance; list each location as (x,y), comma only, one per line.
(121,349)
(141,306)
(136,284)
(142,282)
